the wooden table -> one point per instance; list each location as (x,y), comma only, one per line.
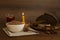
(41,36)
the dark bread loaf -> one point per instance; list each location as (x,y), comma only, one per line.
(47,18)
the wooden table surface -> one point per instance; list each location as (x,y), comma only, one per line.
(41,36)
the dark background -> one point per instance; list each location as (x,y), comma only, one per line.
(31,8)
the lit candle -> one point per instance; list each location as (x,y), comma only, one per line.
(23,18)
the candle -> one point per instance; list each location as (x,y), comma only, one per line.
(23,17)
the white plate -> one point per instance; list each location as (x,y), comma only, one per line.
(22,33)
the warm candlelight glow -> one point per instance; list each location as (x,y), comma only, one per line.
(23,18)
